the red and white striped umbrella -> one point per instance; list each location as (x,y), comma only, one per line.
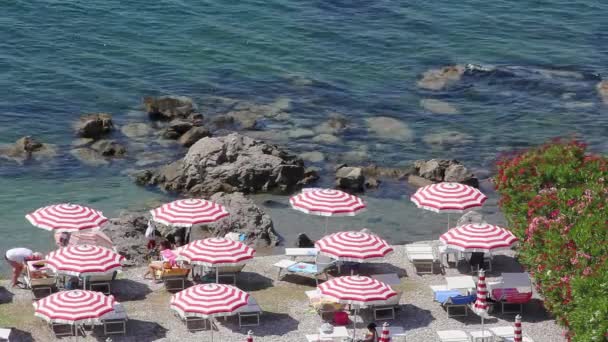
(448,197)
(327,202)
(209,300)
(66,218)
(481,237)
(357,290)
(481,305)
(84,260)
(518,336)
(385,336)
(213,252)
(74,307)
(95,238)
(188,212)
(353,246)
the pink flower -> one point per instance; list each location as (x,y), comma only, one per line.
(587,271)
(574,261)
(565,279)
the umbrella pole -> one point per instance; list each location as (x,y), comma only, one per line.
(326,223)
(217,274)
(448,221)
(355,323)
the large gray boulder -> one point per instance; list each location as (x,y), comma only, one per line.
(230,163)
(444,170)
(350,178)
(245,218)
(169,107)
(94,125)
(27,148)
(109,148)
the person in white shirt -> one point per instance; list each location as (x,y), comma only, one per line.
(16,257)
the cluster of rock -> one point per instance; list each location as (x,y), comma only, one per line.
(27,148)
(127,230)
(228,164)
(93,147)
(441,170)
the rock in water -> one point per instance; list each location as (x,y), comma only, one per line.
(471,217)
(193,135)
(602,89)
(27,148)
(447,138)
(136,130)
(245,218)
(109,148)
(418,181)
(303,241)
(89,156)
(94,125)
(336,124)
(460,174)
(230,163)
(176,128)
(437,79)
(169,107)
(444,170)
(350,178)
(389,128)
(438,106)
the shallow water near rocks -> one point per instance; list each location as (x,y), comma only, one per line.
(307,60)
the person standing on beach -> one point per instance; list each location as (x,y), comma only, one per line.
(17,257)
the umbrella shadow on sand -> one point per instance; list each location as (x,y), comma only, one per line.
(6,296)
(371,268)
(407,316)
(136,330)
(271,324)
(127,290)
(21,336)
(251,281)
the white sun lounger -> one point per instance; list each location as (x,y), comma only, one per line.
(453,336)
(423,257)
(293,253)
(251,310)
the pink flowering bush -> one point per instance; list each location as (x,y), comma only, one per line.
(555,198)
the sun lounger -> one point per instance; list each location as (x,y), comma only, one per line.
(390,306)
(482,336)
(453,336)
(115,322)
(511,289)
(230,272)
(321,266)
(317,338)
(459,301)
(503,332)
(293,253)
(174,278)
(102,283)
(423,257)
(251,310)
(5,334)
(322,305)
(40,279)
(198,323)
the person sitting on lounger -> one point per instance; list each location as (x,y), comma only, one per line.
(17,257)
(167,256)
(371,335)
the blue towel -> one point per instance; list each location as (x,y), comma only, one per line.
(303,267)
(461,300)
(443,295)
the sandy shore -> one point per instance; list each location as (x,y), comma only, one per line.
(287,315)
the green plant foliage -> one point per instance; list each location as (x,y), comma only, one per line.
(554,198)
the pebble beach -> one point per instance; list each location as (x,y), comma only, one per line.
(286,315)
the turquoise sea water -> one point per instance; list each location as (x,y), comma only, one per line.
(59,59)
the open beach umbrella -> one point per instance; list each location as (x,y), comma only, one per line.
(216,252)
(66,217)
(358,291)
(188,212)
(74,307)
(480,307)
(353,246)
(448,198)
(208,301)
(481,237)
(94,238)
(517,335)
(327,202)
(385,335)
(84,260)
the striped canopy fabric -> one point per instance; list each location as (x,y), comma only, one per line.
(66,218)
(84,260)
(481,237)
(448,197)
(94,238)
(357,290)
(74,307)
(518,336)
(385,336)
(480,307)
(208,300)
(327,202)
(213,252)
(353,246)
(188,212)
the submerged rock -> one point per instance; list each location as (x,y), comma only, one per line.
(109,148)
(326,139)
(136,130)
(245,218)
(313,156)
(437,79)
(27,148)
(389,128)
(336,124)
(438,106)
(176,128)
(418,181)
(230,163)
(193,135)
(94,125)
(448,138)
(602,90)
(89,156)
(169,107)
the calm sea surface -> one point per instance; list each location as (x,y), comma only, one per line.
(59,59)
